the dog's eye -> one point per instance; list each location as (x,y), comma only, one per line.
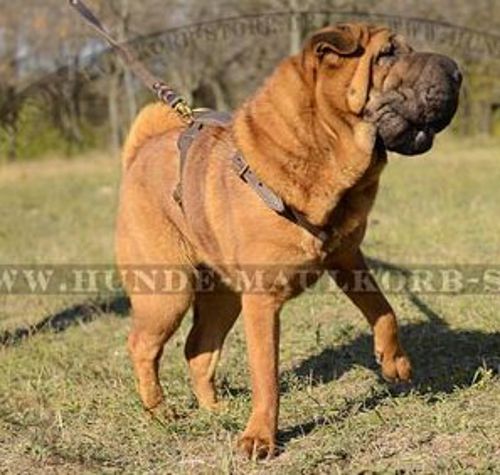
(388,50)
(386,54)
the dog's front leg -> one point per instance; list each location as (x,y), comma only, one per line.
(261,321)
(353,276)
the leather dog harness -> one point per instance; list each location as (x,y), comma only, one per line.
(207,117)
(196,121)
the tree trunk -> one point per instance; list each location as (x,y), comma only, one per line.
(114,114)
(10,80)
(130,93)
(220,95)
(128,79)
(295,28)
(75,138)
(12,142)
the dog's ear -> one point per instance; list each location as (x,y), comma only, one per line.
(342,39)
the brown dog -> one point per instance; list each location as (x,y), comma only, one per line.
(316,134)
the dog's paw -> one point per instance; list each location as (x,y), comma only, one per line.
(164,413)
(217,407)
(395,368)
(258,441)
(257,446)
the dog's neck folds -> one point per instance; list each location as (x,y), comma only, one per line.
(294,144)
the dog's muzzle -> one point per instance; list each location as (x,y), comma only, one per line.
(418,100)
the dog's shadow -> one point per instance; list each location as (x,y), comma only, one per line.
(58,322)
(444,359)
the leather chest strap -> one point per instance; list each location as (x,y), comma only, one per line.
(243,170)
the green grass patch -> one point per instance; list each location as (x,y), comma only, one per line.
(67,398)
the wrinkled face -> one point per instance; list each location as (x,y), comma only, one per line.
(408,96)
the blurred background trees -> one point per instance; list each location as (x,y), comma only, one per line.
(47,105)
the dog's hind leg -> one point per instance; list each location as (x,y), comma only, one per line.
(214,315)
(158,276)
(155,319)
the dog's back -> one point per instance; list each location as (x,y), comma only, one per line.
(154,120)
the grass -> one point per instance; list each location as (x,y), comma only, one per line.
(67,398)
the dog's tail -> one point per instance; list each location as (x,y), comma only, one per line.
(155,119)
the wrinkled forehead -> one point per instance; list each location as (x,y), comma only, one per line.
(359,30)
(380,34)
(355,38)
(366,34)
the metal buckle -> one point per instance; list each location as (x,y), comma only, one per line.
(244,171)
(242,167)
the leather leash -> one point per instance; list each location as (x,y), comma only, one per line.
(159,88)
(197,120)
